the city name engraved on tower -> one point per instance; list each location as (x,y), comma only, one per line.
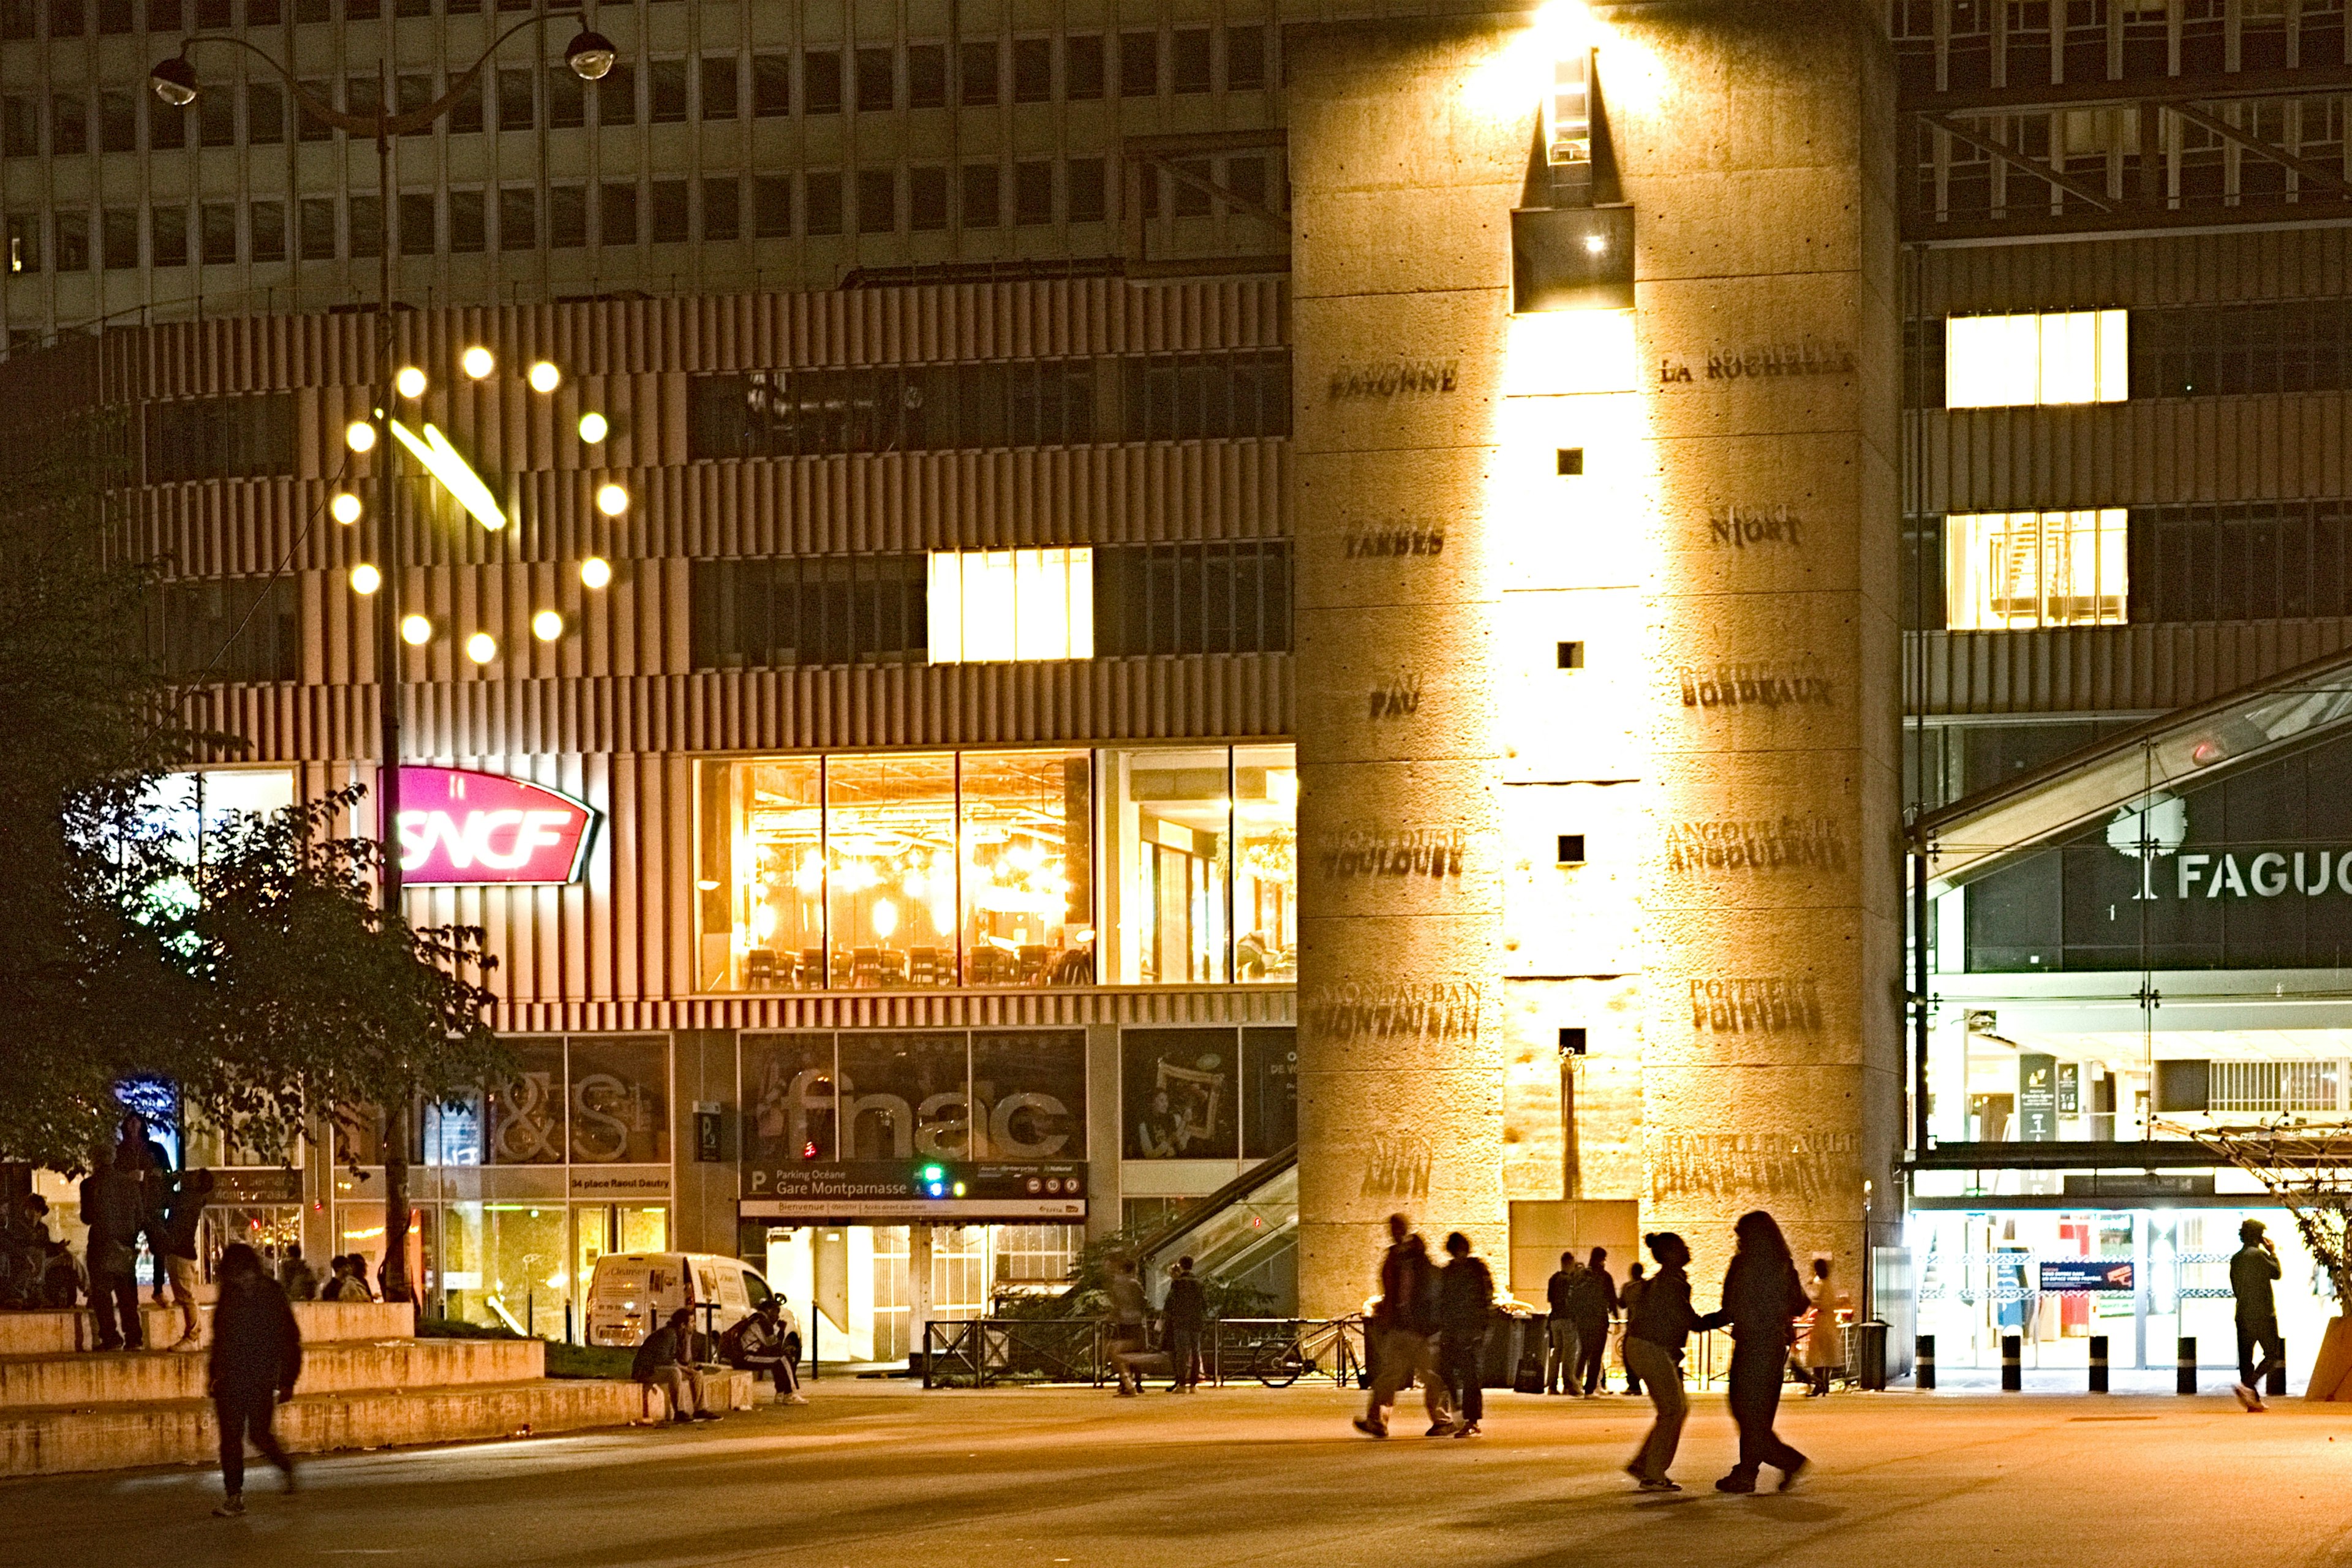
(1806,356)
(1397,700)
(1807,1164)
(1435,852)
(1740,684)
(1760,844)
(1762,1005)
(1396,539)
(1399,1166)
(1394,378)
(1433,1009)
(1739,526)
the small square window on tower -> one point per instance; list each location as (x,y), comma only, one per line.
(1571,460)
(1572,1042)
(1571,848)
(1571,656)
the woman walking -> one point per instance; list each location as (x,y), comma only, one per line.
(1761,1300)
(1658,1323)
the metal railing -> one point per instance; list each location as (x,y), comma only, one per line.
(979,1352)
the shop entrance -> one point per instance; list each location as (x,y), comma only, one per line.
(864,1291)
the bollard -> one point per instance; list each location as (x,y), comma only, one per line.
(2277,1382)
(2098,1363)
(2013,1368)
(2186,1381)
(1922,1362)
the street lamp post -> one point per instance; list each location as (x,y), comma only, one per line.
(590,55)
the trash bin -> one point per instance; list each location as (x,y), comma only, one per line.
(1507,1342)
(1870,1354)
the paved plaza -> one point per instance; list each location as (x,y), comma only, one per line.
(889,1476)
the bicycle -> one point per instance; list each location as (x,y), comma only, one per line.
(1280,1362)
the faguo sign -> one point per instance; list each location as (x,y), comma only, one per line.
(463,828)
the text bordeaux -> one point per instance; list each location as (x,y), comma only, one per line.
(1752,685)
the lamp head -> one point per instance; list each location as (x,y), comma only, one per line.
(174,81)
(589,55)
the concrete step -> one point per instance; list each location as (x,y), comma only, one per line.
(55,1441)
(56,1332)
(330,1366)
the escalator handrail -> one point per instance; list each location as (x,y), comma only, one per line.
(1224,1197)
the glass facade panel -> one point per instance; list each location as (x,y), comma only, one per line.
(619,1101)
(2069,356)
(1167,822)
(788,1099)
(1265,864)
(890,860)
(1027,883)
(508,1264)
(2022,569)
(526,1112)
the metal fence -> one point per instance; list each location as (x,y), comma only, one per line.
(977,1352)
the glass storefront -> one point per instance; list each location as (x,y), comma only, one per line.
(923,870)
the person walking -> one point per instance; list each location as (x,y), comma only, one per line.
(1762,1300)
(110,1207)
(1657,1326)
(1628,1296)
(1128,1308)
(1594,1303)
(2254,1269)
(186,1212)
(1824,1350)
(1466,1307)
(257,1359)
(1185,1317)
(1560,1350)
(1403,1332)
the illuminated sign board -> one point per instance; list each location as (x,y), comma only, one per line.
(883,1190)
(2086,1274)
(463,828)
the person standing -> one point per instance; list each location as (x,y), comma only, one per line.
(1466,1306)
(1762,1300)
(1128,1307)
(257,1359)
(1658,1323)
(1595,1304)
(1402,1330)
(147,1163)
(2254,1269)
(1561,1350)
(110,1207)
(189,1196)
(1185,1316)
(1824,1335)
(1629,1295)
(295,1277)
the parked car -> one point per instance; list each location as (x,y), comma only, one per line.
(632,1293)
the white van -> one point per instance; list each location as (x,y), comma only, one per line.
(632,1293)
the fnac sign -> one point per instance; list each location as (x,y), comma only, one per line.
(463,828)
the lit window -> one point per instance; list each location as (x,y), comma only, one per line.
(994,604)
(2070,356)
(2020,569)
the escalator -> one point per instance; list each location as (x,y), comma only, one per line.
(1244,1234)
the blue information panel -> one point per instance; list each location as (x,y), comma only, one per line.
(2086,1274)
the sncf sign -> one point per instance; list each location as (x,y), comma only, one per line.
(462,828)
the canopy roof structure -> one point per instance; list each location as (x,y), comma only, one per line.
(1975,834)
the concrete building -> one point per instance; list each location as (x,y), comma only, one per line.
(1378,592)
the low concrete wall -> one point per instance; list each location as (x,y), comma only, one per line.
(55,1442)
(329,1366)
(58,1332)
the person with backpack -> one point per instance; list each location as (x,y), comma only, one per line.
(1185,1317)
(755,1343)
(257,1359)
(1466,1307)
(111,1207)
(1762,1300)
(1403,1335)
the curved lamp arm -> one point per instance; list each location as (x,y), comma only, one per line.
(379,124)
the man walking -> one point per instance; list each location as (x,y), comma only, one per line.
(1128,1307)
(1465,1305)
(1560,1350)
(2254,1269)
(109,1206)
(1594,1303)
(1657,1326)
(256,1357)
(1402,1334)
(189,1196)
(1185,1316)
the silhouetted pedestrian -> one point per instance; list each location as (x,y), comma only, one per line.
(2254,1269)
(1657,1326)
(185,1213)
(295,1277)
(139,1156)
(1465,1305)
(1185,1317)
(110,1207)
(1403,1335)
(256,1357)
(1128,1308)
(1560,1347)
(1629,1296)
(1824,1350)
(1762,1300)
(1594,1303)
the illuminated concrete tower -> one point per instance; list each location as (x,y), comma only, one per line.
(1598,709)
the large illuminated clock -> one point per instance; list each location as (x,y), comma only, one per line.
(456,475)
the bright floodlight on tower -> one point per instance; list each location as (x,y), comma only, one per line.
(478,362)
(481,647)
(365,579)
(345,506)
(612,499)
(360,435)
(547,626)
(416,630)
(410,382)
(545,378)
(594,426)
(595,572)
